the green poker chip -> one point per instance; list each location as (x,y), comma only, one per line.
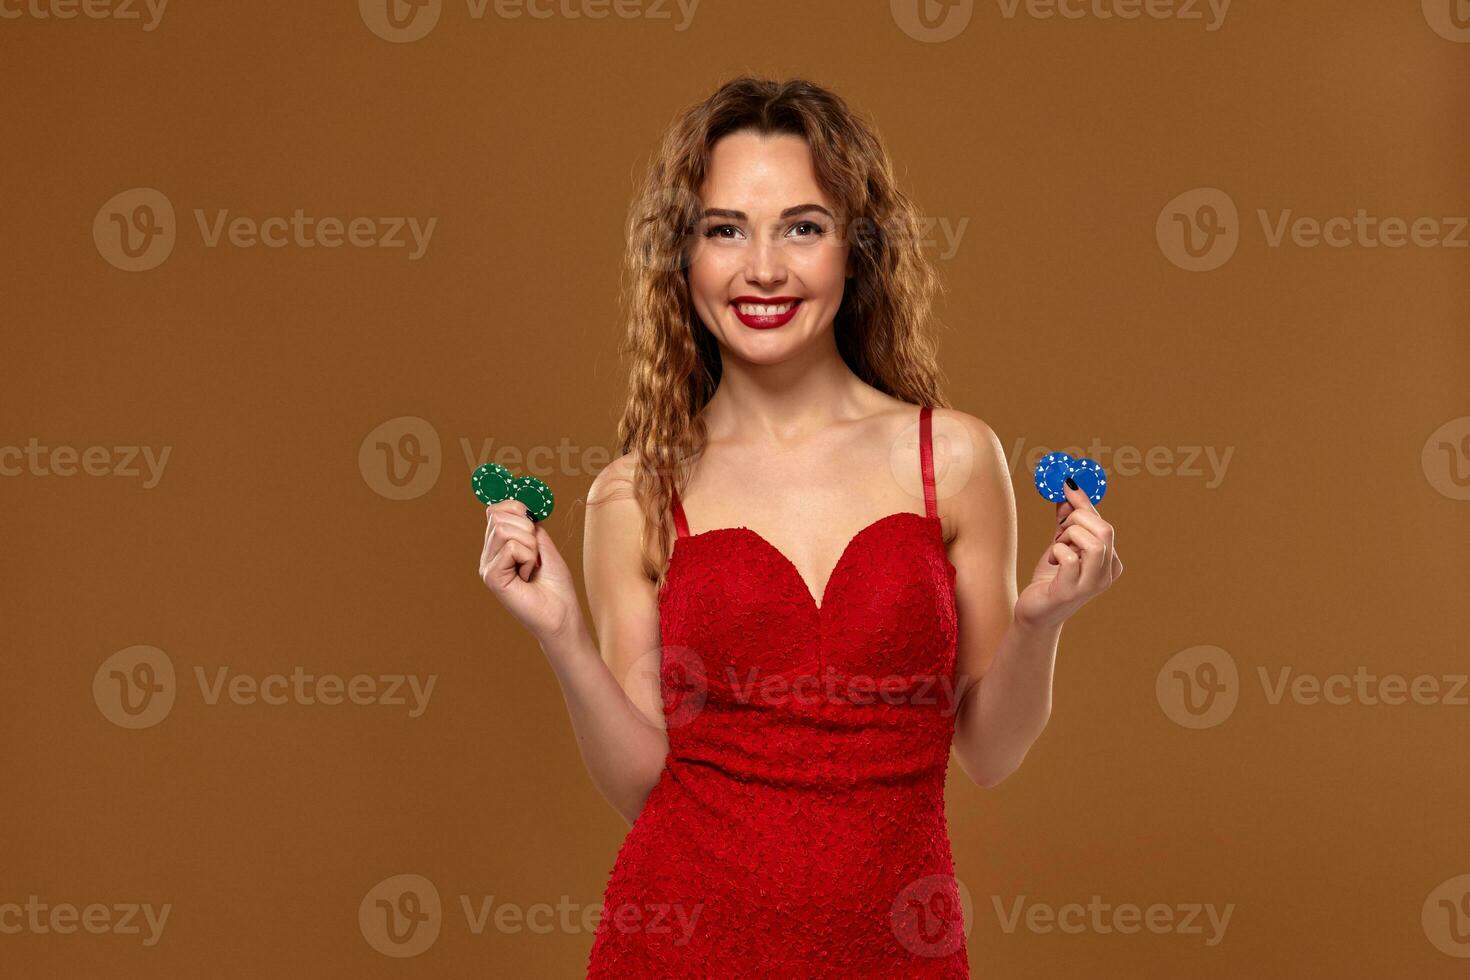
(492,483)
(535,494)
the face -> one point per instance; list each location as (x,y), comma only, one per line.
(768,268)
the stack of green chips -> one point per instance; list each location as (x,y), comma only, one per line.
(493,483)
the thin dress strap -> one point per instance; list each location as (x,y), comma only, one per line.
(926,462)
(679,522)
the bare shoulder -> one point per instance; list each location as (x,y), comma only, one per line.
(614,479)
(612,536)
(620,593)
(972,476)
(976,435)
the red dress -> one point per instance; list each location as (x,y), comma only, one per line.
(798,828)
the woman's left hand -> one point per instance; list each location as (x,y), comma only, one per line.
(1080,563)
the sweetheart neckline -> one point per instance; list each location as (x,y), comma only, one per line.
(812,603)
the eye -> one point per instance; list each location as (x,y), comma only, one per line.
(714,231)
(816,230)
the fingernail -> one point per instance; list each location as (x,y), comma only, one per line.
(528,513)
(1071,483)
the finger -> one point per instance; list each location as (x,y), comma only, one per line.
(509,559)
(1092,522)
(1064,510)
(1070,568)
(513,512)
(1095,557)
(502,526)
(493,541)
(538,543)
(500,529)
(487,552)
(1076,496)
(516,518)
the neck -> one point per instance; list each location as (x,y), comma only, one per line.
(785,401)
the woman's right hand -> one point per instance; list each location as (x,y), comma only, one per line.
(522,567)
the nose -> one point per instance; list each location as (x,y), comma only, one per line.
(765,262)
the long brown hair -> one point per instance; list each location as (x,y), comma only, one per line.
(883,326)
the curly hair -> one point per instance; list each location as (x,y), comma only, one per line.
(883,325)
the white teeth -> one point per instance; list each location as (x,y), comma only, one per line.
(759,309)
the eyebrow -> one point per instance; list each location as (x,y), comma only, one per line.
(788,213)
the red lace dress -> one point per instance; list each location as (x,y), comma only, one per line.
(797,829)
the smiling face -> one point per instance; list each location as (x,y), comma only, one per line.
(768,267)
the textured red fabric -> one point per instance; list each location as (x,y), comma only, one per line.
(798,828)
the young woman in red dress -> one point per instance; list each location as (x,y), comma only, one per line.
(801,570)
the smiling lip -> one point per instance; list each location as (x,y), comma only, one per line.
(765,321)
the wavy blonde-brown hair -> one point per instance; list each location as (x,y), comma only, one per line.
(883,326)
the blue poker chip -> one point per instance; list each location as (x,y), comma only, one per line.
(1090,478)
(1051,474)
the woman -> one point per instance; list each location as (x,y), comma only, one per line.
(801,569)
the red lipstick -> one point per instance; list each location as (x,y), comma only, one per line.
(763,321)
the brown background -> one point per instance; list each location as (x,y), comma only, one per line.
(1326,547)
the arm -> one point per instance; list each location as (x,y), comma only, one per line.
(1004,674)
(1008,644)
(611,689)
